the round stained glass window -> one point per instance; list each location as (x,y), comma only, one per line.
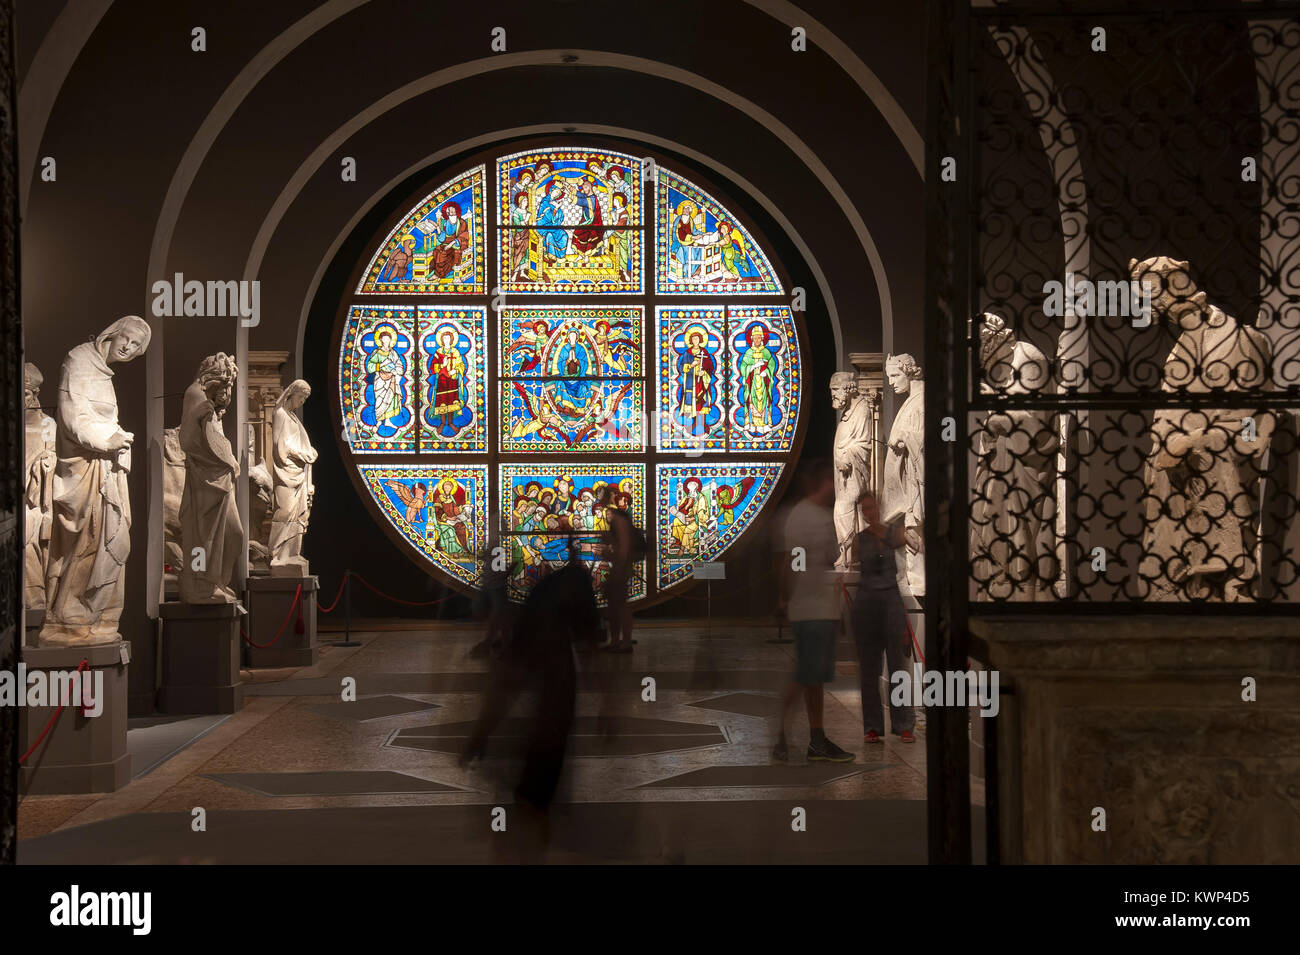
(585,321)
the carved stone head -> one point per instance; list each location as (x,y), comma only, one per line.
(901,371)
(125,339)
(32,380)
(1173,293)
(844,388)
(216,376)
(293,396)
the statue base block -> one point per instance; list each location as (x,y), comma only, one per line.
(33,620)
(200,659)
(273,628)
(81,754)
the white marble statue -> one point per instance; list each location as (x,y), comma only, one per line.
(91,538)
(173,486)
(904,478)
(852,459)
(39,464)
(291,459)
(1203,471)
(1012,554)
(259,506)
(211,535)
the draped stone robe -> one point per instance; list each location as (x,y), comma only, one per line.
(40,460)
(904,483)
(91,536)
(209,515)
(852,459)
(291,460)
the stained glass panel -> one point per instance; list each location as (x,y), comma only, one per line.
(453,374)
(570,381)
(693,370)
(569,222)
(572,414)
(442,511)
(701,248)
(571,342)
(703,510)
(766,377)
(542,505)
(376,379)
(438,248)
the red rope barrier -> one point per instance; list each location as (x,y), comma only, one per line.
(849,604)
(335,602)
(297,594)
(53,719)
(406,603)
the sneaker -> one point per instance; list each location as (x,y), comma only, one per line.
(828,752)
(781,752)
(872,737)
(907,737)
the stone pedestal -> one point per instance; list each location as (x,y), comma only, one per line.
(200,659)
(1143,717)
(33,620)
(272,622)
(81,754)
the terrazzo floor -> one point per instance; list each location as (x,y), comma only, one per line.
(298,775)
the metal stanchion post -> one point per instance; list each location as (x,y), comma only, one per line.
(347,640)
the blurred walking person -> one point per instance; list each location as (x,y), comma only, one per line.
(808,600)
(624,546)
(538,659)
(880,622)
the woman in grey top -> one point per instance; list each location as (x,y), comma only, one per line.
(879,621)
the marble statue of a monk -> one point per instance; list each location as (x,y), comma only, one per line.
(904,483)
(91,537)
(291,459)
(40,461)
(209,515)
(852,460)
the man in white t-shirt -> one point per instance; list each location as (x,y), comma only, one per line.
(807,550)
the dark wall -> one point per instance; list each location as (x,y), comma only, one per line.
(11,436)
(719,79)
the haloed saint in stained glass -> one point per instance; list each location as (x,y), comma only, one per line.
(452,379)
(376,379)
(442,511)
(702,509)
(765,376)
(701,248)
(438,247)
(692,378)
(569,222)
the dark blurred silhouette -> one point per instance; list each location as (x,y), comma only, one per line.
(538,660)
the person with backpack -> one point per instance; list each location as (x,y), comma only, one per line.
(625,547)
